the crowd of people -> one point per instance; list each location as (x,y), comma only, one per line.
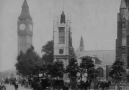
(44,83)
(59,84)
(11,81)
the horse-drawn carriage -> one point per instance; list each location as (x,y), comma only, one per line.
(53,83)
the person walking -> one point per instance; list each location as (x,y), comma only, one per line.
(16,85)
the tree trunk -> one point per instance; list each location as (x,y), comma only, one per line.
(74,84)
(117,87)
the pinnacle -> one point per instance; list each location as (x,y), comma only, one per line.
(25,5)
(123,4)
(25,11)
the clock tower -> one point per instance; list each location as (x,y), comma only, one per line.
(24,29)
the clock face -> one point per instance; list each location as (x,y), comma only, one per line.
(22,27)
(30,26)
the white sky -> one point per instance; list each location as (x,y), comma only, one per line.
(95,20)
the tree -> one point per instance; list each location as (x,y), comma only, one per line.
(57,69)
(72,69)
(47,49)
(28,63)
(87,65)
(118,72)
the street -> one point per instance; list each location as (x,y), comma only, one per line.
(10,87)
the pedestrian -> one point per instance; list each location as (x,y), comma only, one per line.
(16,85)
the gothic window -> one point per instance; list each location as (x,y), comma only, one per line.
(124,25)
(100,72)
(61,51)
(128,40)
(61,35)
(128,57)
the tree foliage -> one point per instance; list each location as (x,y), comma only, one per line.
(56,69)
(28,63)
(72,68)
(87,62)
(88,65)
(47,49)
(118,72)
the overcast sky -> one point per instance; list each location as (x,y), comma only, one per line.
(95,20)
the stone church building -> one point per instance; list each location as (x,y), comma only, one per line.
(103,59)
(62,36)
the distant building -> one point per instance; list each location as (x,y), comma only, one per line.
(63,49)
(24,29)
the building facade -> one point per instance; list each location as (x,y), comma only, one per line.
(122,41)
(63,49)
(24,29)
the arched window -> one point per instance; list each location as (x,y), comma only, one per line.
(100,72)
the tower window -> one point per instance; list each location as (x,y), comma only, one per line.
(61,35)
(124,25)
(61,51)
(127,58)
(128,40)
(124,41)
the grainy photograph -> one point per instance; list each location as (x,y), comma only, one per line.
(64,44)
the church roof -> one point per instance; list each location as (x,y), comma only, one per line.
(106,56)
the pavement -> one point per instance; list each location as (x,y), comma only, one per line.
(11,87)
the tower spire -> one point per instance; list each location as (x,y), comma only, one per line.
(25,11)
(62,19)
(81,44)
(123,4)
(63,6)
(25,5)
